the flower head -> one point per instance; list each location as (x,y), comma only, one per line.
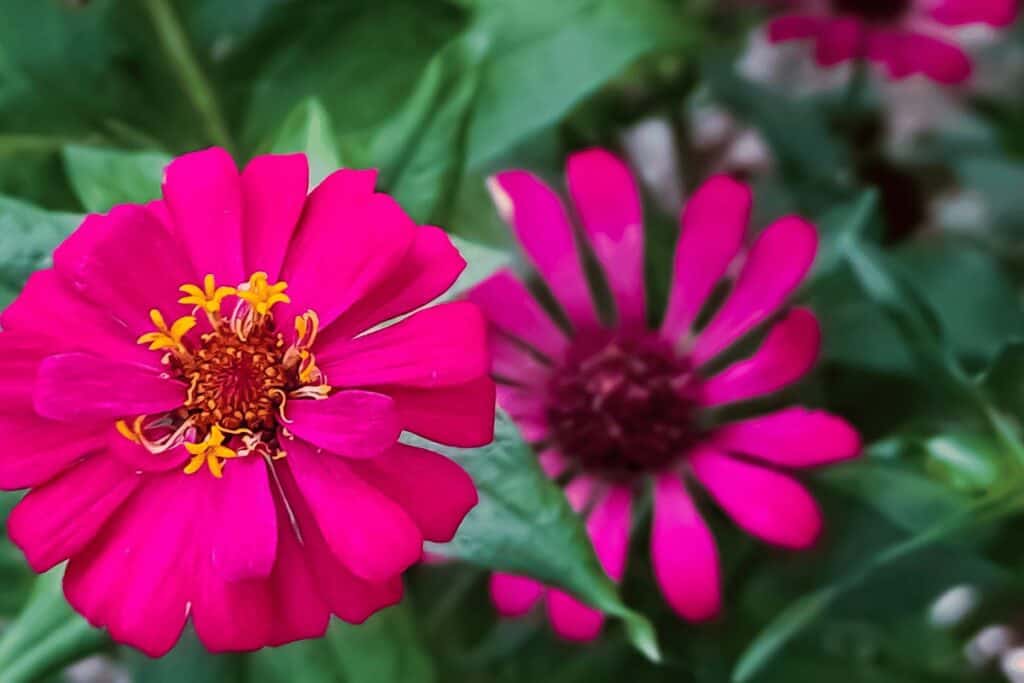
(907,37)
(205,397)
(613,408)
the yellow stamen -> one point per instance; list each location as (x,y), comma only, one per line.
(209,298)
(307,326)
(211,451)
(261,295)
(127,432)
(168,337)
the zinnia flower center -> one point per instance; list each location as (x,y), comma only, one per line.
(240,373)
(624,409)
(877,11)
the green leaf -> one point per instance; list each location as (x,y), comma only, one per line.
(524,525)
(188,661)
(796,129)
(1004,381)
(47,634)
(481,262)
(385,649)
(308,129)
(28,236)
(802,613)
(843,226)
(422,150)
(102,177)
(968,461)
(549,56)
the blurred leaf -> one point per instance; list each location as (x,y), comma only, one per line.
(811,607)
(551,55)
(969,461)
(422,150)
(308,129)
(796,129)
(1004,381)
(104,177)
(385,649)
(359,58)
(28,236)
(998,181)
(844,225)
(47,634)
(481,262)
(188,661)
(524,525)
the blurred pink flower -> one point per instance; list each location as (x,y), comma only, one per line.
(296,501)
(611,409)
(908,37)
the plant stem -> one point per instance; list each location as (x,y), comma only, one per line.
(190,75)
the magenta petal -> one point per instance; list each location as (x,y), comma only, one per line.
(21,355)
(795,27)
(349,242)
(528,408)
(58,519)
(78,386)
(35,450)
(511,362)
(243,542)
(127,264)
(906,53)
(514,596)
(47,308)
(553,462)
(300,610)
(131,579)
(573,620)
(203,193)
(961,12)
(766,504)
(461,415)
(840,40)
(787,353)
(776,265)
(355,424)
(540,222)
(608,203)
(438,346)
(511,309)
(683,553)
(608,527)
(139,459)
(431,267)
(793,437)
(367,531)
(713,225)
(434,491)
(274,191)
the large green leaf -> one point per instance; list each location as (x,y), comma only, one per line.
(47,634)
(188,661)
(385,649)
(524,525)
(28,236)
(104,177)
(422,150)
(308,129)
(548,56)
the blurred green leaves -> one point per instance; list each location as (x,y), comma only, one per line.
(524,525)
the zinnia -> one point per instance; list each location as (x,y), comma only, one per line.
(908,37)
(205,403)
(612,408)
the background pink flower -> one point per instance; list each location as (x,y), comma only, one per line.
(613,407)
(240,466)
(908,37)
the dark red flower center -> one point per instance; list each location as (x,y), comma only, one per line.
(623,409)
(238,384)
(875,11)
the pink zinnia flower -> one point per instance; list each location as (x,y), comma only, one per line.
(201,397)
(613,409)
(908,37)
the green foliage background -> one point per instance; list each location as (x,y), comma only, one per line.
(922,333)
